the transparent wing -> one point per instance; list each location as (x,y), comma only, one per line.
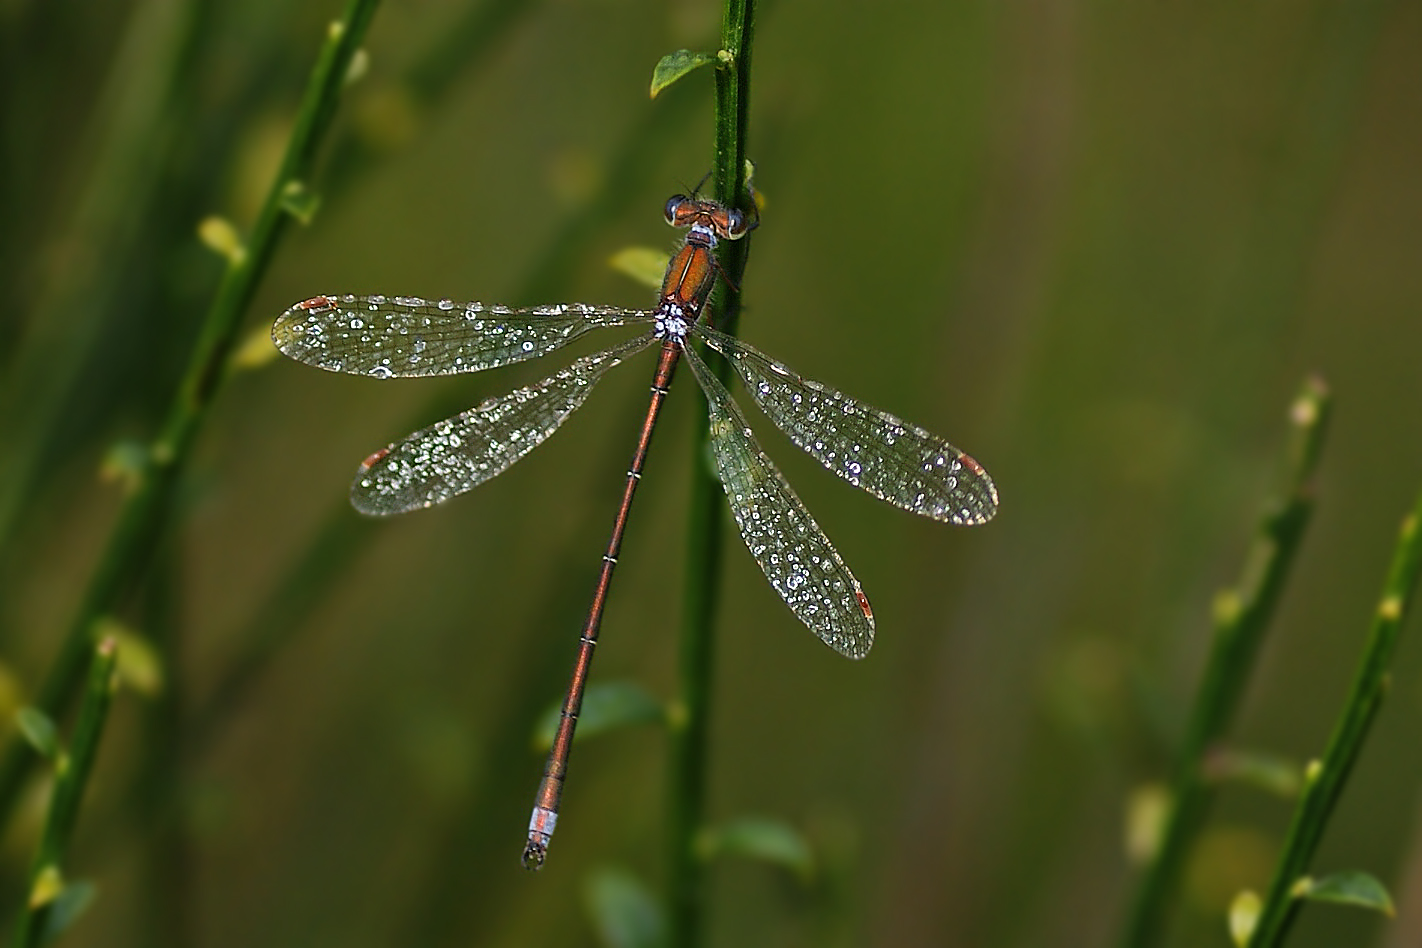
(460,453)
(790,547)
(403,336)
(886,456)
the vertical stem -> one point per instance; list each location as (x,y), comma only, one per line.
(1325,779)
(127,142)
(71,778)
(165,908)
(1241,617)
(686,785)
(134,538)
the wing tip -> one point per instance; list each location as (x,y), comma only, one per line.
(289,330)
(983,492)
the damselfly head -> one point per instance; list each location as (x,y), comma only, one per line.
(711,217)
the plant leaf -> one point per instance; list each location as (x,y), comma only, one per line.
(125,463)
(1147,810)
(623,911)
(1243,916)
(1351,887)
(39,732)
(767,840)
(256,350)
(220,235)
(673,66)
(606,706)
(72,902)
(140,666)
(646,265)
(1271,773)
(300,201)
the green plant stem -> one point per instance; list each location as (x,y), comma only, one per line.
(686,785)
(1241,616)
(156,798)
(131,545)
(71,777)
(125,135)
(1324,780)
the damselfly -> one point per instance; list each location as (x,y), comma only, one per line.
(400,337)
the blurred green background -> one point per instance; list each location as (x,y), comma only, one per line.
(1097,245)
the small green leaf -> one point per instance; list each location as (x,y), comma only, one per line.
(39,732)
(220,235)
(646,265)
(125,463)
(1243,916)
(1147,810)
(300,202)
(772,841)
(140,666)
(47,885)
(256,350)
(360,65)
(1268,772)
(1226,607)
(606,706)
(1350,888)
(73,900)
(623,911)
(675,65)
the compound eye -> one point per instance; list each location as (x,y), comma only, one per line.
(674,204)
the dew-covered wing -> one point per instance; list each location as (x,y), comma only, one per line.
(790,547)
(460,453)
(886,456)
(403,336)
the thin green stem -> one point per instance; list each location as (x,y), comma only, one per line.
(71,778)
(154,797)
(126,134)
(686,786)
(1324,780)
(1241,616)
(134,538)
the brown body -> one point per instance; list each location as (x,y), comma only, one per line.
(690,277)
